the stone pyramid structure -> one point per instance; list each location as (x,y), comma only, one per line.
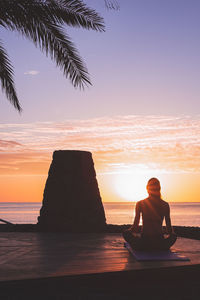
(71,200)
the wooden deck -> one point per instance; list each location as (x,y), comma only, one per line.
(32,260)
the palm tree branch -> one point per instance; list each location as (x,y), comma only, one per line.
(112,4)
(62,50)
(71,12)
(43,31)
(41,21)
(52,41)
(6,78)
(75,13)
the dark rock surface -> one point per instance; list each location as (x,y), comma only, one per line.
(72,200)
(181,231)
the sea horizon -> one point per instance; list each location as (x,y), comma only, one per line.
(118,213)
(122,202)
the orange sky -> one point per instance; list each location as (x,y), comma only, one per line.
(127,151)
(139,118)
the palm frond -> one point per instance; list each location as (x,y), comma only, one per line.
(6,78)
(59,46)
(112,4)
(71,12)
(75,13)
(51,39)
(39,22)
(42,22)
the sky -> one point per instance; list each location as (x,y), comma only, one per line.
(140,118)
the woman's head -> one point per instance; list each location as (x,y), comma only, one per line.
(153,187)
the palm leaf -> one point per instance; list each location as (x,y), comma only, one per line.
(50,38)
(112,4)
(42,22)
(75,13)
(62,50)
(6,77)
(37,21)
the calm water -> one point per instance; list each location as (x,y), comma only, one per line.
(183,214)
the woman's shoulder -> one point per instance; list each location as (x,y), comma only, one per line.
(165,203)
(141,202)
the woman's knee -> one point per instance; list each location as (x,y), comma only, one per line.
(170,240)
(127,235)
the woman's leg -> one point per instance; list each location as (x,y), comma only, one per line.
(169,241)
(134,241)
(160,243)
(141,243)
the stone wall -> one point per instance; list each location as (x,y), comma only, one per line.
(72,200)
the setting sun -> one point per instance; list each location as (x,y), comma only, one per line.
(131,185)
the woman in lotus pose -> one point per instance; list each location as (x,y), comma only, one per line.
(153,210)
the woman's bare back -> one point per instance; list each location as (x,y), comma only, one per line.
(153,213)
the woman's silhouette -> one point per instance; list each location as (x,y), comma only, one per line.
(153,210)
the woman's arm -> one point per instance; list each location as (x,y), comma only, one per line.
(168,220)
(135,226)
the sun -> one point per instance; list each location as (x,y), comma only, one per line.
(131,187)
(130,181)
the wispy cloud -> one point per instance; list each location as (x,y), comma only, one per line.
(8,144)
(168,143)
(32,72)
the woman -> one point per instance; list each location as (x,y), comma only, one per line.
(153,210)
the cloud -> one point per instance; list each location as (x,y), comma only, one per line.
(32,72)
(8,144)
(162,142)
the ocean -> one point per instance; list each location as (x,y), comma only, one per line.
(182,213)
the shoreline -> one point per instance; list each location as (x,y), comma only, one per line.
(181,231)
